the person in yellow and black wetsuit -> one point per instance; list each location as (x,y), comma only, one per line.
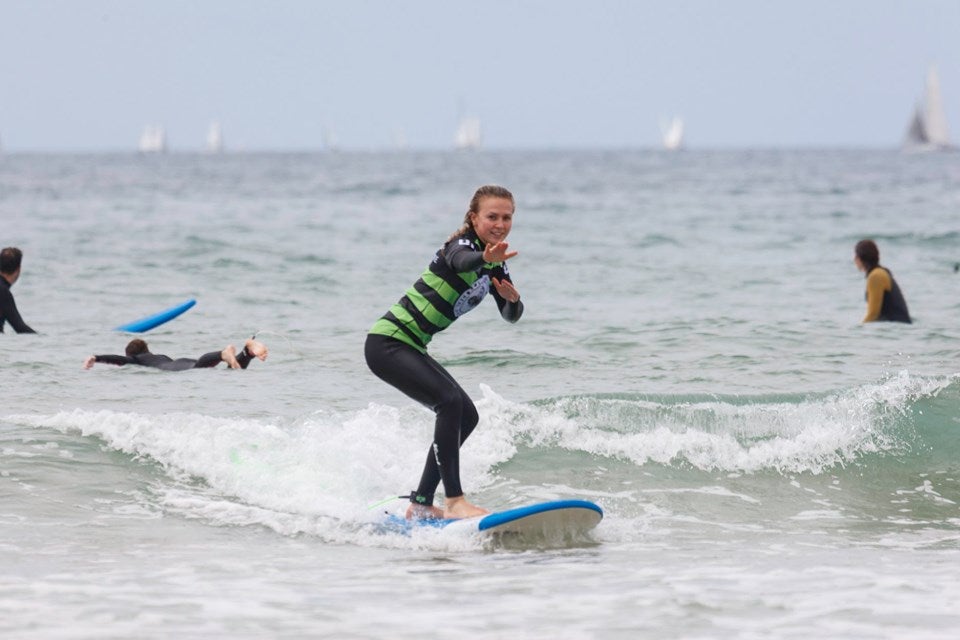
(885,301)
(470,264)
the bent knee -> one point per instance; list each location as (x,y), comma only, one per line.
(470,417)
(456,400)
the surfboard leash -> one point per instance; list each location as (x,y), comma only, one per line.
(385,501)
(277,333)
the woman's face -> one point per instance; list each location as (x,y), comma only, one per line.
(857,261)
(493,220)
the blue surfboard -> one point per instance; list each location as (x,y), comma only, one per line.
(151,321)
(563,517)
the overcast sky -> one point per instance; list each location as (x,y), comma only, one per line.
(88,75)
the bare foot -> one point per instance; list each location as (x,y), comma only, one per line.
(256,348)
(229,355)
(423,512)
(458,507)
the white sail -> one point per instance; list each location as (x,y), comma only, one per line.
(468,134)
(928,130)
(673,134)
(214,138)
(328,138)
(934,117)
(153,139)
(400,140)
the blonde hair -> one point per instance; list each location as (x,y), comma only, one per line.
(486,191)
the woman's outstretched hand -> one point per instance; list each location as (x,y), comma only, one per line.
(497,252)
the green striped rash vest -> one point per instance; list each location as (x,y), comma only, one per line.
(441,295)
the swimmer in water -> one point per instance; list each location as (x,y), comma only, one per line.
(885,301)
(10,259)
(137,352)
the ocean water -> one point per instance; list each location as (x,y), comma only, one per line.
(690,358)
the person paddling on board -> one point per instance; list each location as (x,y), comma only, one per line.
(10,258)
(885,301)
(470,264)
(137,352)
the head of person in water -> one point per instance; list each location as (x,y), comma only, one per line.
(866,255)
(490,214)
(10,258)
(136,347)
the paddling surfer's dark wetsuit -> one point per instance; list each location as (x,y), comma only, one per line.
(159,361)
(8,310)
(455,282)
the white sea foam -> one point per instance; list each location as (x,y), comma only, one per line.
(317,475)
(327,467)
(808,435)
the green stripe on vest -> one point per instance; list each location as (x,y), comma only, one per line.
(430,312)
(384,327)
(441,286)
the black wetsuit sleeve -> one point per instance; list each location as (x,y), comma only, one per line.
(244,358)
(214,358)
(8,311)
(509,311)
(462,257)
(208,360)
(112,359)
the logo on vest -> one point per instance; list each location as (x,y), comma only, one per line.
(472,296)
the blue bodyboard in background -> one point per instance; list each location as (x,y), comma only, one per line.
(149,322)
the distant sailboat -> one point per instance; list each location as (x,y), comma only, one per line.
(468,133)
(328,139)
(400,140)
(214,138)
(927,130)
(153,139)
(673,134)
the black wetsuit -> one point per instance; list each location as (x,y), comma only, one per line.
(8,310)
(455,282)
(159,361)
(893,307)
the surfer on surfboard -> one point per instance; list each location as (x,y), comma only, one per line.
(137,352)
(470,264)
